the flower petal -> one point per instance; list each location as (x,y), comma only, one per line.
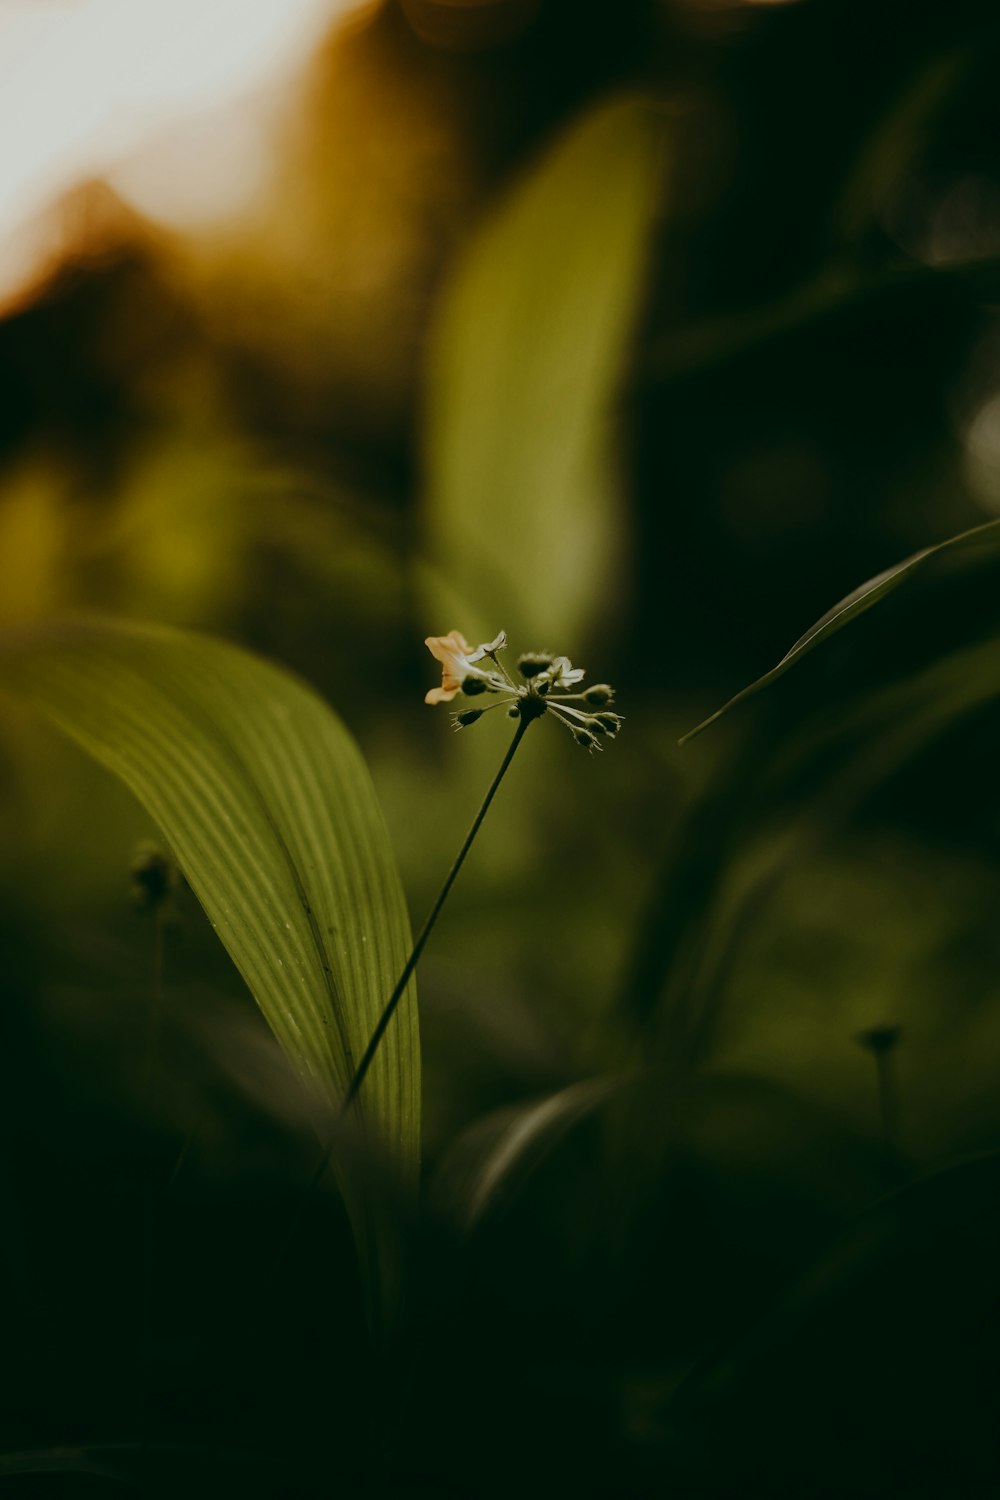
(442,694)
(453,652)
(488,648)
(563,674)
(446,647)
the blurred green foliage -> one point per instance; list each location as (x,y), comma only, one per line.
(720,1246)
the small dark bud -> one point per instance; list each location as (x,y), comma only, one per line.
(532,664)
(878,1039)
(469,716)
(473,686)
(514,712)
(530,707)
(586,739)
(151,878)
(599,694)
(610,723)
(543,688)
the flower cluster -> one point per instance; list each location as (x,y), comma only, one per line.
(550,684)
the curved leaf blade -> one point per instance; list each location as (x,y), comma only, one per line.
(528,351)
(491,1161)
(268,806)
(968,548)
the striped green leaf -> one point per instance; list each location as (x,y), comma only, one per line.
(268,806)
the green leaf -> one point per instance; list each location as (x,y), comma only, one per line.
(892,151)
(524,518)
(493,1159)
(267,804)
(174,1465)
(949,560)
(883,1322)
(874,734)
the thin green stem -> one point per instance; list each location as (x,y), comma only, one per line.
(153,1020)
(494,658)
(154,1010)
(577,713)
(881,1041)
(425,932)
(887,1107)
(281,1249)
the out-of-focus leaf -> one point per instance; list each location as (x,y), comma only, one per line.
(268,806)
(497,1154)
(90,1461)
(818,776)
(869,738)
(838,289)
(184,1464)
(892,150)
(949,559)
(524,518)
(877,1338)
(917,665)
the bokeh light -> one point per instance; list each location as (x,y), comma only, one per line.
(87,86)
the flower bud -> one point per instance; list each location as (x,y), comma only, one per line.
(610,723)
(533,663)
(599,694)
(469,716)
(151,877)
(472,686)
(530,707)
(878,1039)
(586,739)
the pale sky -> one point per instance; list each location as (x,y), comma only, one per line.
(85,85)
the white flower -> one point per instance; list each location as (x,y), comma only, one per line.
(458,660)
(563,674)
(489,647)
(545,689)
